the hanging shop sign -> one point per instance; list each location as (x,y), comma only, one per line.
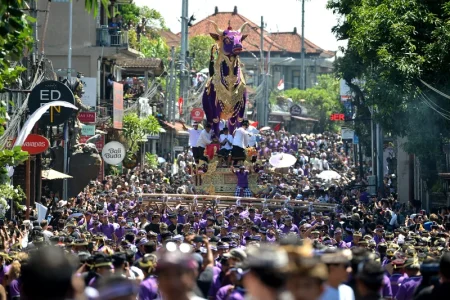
(197,114)
(34,144)
(49,91)
(113,153)
(295,110)
(87,117)
(88,130)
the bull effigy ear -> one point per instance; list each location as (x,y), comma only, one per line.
(244,36)
(215,36)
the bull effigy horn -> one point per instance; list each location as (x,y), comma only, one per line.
(243,27)
(217,27)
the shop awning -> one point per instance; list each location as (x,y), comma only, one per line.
(51,174)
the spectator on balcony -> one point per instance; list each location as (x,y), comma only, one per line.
(140,28)
(113,28)
(119,22)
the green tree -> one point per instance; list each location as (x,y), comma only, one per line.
(156,48)
(321,101)
(200,49)
(15,38)
(135,129)
(392,45)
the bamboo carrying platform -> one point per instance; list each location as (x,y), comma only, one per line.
(224,201)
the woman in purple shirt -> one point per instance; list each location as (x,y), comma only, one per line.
(13,283)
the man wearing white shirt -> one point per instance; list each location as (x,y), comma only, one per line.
(240,141)
(226,143)
(204,140)
(194,134)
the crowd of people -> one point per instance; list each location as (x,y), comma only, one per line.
(114,241)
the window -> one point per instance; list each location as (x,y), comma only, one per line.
(296,79)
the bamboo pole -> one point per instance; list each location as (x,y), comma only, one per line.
(226,201)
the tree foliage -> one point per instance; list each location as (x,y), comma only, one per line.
(200,49)
(135,129)
(392,45)
(321,100)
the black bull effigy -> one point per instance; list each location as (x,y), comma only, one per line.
(225,95)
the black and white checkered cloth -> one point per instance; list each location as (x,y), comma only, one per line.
(246,192)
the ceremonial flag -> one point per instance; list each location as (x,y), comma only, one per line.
(180,105)
(281,85)
(277,127)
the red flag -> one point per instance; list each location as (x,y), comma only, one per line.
(180,105)
(277,127)
(254,124)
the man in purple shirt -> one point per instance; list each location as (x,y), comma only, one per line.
(408,286)
(252,216)
(269,221)
(242,182)
(105,227)
(288,227)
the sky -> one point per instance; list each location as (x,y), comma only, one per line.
(280,15)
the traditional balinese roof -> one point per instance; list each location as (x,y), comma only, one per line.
(291,41)
(276,42)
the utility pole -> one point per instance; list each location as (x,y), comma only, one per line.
(172,95)
(303,76)
(184,48)
(262,105)
(66,124)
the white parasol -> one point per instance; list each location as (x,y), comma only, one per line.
(161,160)
(265,128)
(329,175)
(282,160)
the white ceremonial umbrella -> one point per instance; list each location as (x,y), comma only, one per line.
(282,160)
(265,128)
(161,160)
(329,175)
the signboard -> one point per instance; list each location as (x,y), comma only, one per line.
(34,144)
(48,91)
(99,144)
(117,105)
(197,114)
(337,117)
(87,117)
(347,134)
(88,130)
(355,139)
(295,110)
(90,91)
(113,153)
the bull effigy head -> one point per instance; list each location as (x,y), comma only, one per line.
(229,40)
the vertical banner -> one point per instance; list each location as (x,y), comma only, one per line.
(117,105)
(90,92)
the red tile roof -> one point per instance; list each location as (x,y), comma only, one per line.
(276,42)
(251,43)
(171,38)
(291,41)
